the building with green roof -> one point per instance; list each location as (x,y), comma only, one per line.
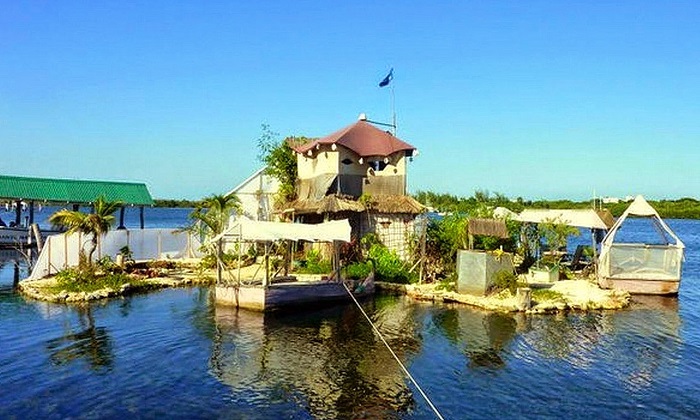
(19,189)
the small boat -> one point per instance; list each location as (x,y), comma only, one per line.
(274,293)
(16,236)
(11,236)
(642,268)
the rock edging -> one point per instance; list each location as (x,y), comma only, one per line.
(41,289)
(576,295)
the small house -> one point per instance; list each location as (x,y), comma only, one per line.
(358,172)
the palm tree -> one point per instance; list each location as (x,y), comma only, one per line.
(97,223)
(215,210)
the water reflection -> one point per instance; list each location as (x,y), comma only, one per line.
(650,334)
(484,335)
(328,361)
(90,343)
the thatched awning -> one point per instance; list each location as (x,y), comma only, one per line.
(396,204)
(328,204)
(391,204)
(490,227)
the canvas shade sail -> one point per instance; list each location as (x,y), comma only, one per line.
(251,230)
(582,218)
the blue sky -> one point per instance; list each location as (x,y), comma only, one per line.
(538,99)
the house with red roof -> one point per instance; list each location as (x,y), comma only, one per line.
(358,172)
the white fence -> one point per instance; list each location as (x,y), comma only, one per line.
(62,251)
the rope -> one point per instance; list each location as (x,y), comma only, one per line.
(408,374)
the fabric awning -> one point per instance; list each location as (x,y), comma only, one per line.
(251,230)
(583,218)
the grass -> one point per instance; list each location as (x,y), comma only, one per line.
(75,281)
(541,295)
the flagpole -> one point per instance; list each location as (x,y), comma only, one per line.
(393,109)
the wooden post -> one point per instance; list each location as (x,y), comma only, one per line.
(523,297)
(141,216)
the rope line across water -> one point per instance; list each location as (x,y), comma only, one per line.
(381,337)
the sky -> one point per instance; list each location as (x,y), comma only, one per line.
(532,99)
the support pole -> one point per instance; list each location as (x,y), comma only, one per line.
(141,216)
(31,213)
(266,280)
(18,212)
(121,218)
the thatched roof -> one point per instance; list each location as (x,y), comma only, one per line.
(391,204)
(490,227)
(328,204)
(396,204)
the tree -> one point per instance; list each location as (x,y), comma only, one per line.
(280,159)
(214,211)
(96,224)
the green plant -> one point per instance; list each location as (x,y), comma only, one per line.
(280,160)
(314,264)
(107,265)
(504,280)
(126,252)
(75,280)
(210,217)
(541,295)
(358,270)
(448,284)
(388,266)
(94,224)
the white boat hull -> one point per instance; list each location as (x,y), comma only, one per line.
(646,286)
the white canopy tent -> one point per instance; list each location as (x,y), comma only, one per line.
(245,230)
(620,260)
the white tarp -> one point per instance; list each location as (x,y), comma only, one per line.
(585,218)
(252,230)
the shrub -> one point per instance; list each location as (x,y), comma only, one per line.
(389,266)
(504,280)
(541,295)
(358,270)
(314,264)
(76,280)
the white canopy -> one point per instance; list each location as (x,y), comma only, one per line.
(251,230)
(586,218)
(641,208)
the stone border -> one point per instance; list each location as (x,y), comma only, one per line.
(37,289)
(577,295)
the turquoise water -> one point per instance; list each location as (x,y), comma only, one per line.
(174,353)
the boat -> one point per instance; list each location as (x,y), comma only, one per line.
(20,236)
(652,268)
(279,292)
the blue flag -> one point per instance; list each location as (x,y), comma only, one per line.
(387,79)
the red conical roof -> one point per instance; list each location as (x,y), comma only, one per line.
(362,138)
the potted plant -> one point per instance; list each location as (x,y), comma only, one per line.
(556,233)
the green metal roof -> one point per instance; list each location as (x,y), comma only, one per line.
(72,191)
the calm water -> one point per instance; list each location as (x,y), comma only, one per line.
(173,353)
